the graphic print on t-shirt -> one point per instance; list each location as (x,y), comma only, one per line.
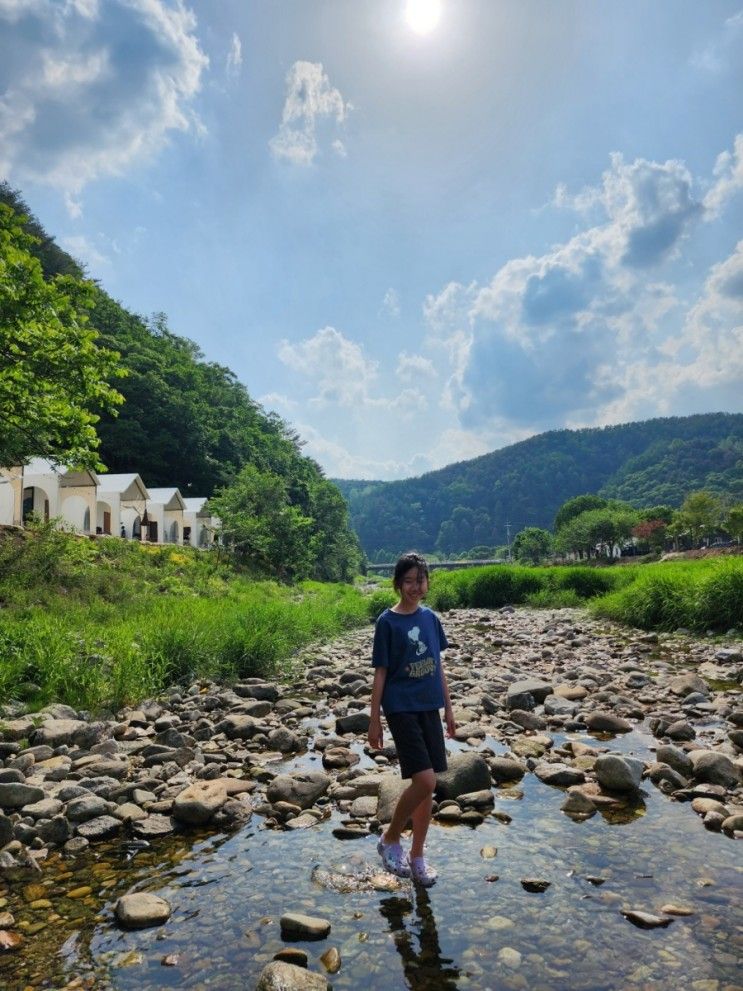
(419,669)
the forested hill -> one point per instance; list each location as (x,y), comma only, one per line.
(189,422)
(468,504)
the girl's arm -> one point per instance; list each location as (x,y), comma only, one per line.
(451,726)
(374,735)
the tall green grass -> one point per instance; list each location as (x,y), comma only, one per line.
(698,595)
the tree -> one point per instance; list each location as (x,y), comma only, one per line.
(261,527)
(532,544)
(574,507)
(734,522)
(701,513)
(651,532)
(53,375)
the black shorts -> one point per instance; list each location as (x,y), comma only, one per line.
(419,741)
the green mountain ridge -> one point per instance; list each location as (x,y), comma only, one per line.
(645,463)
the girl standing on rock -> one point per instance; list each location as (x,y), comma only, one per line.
(410,687)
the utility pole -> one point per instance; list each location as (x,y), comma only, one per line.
(508,540)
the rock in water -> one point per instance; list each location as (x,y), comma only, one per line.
(711,767)
(295,925)
(301,788)
(140,910)
(619,773)
(466,773)
(607,722)
(281,976)
(644,920)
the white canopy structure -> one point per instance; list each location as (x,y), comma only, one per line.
(165,508)
(122,503)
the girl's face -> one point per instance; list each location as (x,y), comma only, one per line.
(413,587)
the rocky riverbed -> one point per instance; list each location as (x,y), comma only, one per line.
(224,837)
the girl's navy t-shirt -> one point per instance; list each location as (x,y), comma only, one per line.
(409,646)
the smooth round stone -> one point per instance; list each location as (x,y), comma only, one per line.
(331,960)
(499,922)
(141,909)
(293,955)
(296,925)
(509,957)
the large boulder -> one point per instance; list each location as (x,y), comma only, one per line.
(559,775)
(14,795)
(354,722)
(616,772)
(506,769)
(466,772)
(607,722)
(239,727)
(713,768)
(301,788)
(688,682)
(676,758)
(527,693)
(390,789)
(197,803)
(16,729)
(55,732)
(282,976)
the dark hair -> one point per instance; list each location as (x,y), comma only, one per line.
(405,563)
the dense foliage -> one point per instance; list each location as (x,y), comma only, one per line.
(53,373)
(643,464)
(186,422)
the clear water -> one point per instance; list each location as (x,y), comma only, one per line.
(228,893)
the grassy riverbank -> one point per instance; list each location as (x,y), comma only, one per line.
(97,624)
(698,595)
(101,623)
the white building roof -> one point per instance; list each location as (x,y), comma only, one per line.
(195,504)
(128,486)
(44,467)
(169,498)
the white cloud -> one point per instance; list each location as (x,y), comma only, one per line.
(415,368)
(278,401)
(311,102)
(391,304)
(234,56)
(577,335)
(716,56)
(84,251)
(728,178)
(89,90)
(339,462)
(337,366)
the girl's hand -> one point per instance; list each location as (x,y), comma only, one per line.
(451,726)
(374,734)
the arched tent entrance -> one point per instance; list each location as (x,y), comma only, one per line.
(131,523)
(36,501)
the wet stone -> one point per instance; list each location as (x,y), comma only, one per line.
(141,910)
(297,925)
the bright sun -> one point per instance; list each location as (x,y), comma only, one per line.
(423,15)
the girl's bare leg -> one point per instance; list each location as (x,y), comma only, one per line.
(418,795)
(421,820)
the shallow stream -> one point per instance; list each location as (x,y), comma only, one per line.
(468,932)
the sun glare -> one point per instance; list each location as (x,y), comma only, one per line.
(423,15)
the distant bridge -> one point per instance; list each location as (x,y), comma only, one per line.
(389,568)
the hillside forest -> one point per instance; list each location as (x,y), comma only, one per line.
(88,383)
(476,508)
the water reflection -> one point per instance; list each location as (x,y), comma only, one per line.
(424,967)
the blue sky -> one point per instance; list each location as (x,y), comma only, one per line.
(419,230)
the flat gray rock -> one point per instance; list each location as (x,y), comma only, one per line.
(296,925)
(140,910)
(302,788)
(14,795)
(101,828)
